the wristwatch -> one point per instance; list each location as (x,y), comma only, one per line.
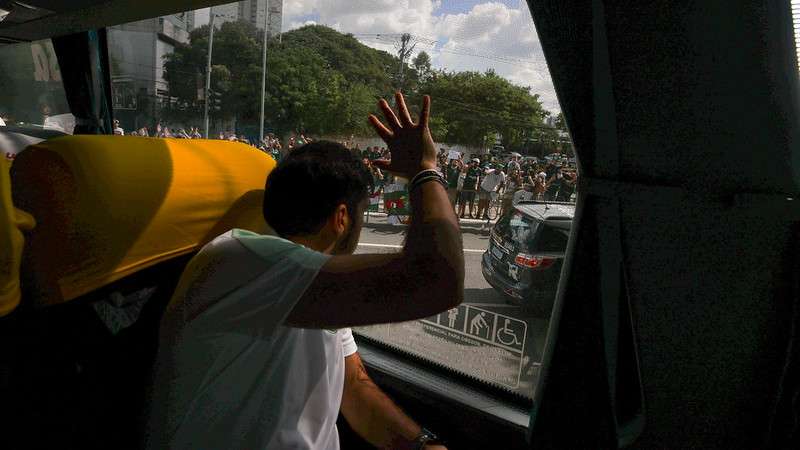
(425,437)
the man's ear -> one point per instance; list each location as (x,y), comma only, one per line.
(340,220)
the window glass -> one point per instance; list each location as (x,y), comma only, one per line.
(516,230)
(552,240)
(327,65)
(31,93)
(796,22)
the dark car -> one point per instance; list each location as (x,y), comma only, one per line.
(526,252)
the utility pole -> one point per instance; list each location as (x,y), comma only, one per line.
(264,71)
(280,33)
(208,68)
(404,49)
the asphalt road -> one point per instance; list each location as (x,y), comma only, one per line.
(487,337)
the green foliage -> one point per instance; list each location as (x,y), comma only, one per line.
(471,108)
(345,54)
(422,64)
(561,124)
(325,82)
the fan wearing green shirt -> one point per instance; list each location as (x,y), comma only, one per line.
(473,174)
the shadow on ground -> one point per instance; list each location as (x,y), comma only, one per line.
(388,229)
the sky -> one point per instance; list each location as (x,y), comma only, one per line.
(457,34)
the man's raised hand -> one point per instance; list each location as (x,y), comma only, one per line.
(410,145)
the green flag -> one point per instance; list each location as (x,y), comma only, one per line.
(395,200)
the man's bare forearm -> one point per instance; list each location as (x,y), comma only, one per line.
(371,413)
(434,235)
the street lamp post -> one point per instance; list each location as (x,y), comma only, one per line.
(208,69)
(264,71)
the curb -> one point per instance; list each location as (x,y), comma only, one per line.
(466,221)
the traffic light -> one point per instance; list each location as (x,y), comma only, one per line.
(215,100)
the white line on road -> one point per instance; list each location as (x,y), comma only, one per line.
(365,244)
(494,305)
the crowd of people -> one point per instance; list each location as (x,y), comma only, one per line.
(270,144)
(474,184)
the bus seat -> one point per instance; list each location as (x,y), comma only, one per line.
(109,206)
(116,218)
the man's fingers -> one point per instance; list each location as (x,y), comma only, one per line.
(383,164)
(405,117)
(425,114)
(389,114)
(380,128)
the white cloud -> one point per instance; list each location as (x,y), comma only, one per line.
(496,36)
(490,35)
(295,8)
(295,24)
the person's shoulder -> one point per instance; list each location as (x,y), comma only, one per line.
(273,248)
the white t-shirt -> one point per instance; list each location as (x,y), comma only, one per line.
(229,374)
(492,180)
(512,165)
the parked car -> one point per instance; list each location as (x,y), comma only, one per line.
(526,251)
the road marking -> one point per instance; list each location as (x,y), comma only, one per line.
(365,244)
(492,305)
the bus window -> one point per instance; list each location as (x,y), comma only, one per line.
(32,94)
(327,66)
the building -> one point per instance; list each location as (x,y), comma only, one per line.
(252,11)
(225,13)
(136,55)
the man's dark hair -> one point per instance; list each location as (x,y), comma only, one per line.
(305,188)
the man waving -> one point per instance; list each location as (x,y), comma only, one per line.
(255,349)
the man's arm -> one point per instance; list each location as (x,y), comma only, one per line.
(372,414)
(425,278)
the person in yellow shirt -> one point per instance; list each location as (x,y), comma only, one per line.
(13,222)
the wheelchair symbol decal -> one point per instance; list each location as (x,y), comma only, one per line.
(507,336)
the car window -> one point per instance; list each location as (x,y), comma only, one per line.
(517,229)
(327,65)
(31,92)
(552,240)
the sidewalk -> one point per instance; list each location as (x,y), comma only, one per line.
(465,221)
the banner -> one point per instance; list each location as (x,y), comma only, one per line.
(454,155)
(395,200)
(374,202)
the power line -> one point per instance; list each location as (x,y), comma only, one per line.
(390,37)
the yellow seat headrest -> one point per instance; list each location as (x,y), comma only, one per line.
(109,206)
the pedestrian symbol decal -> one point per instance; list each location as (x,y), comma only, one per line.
(478,324)
(452,315)
(486,326)
(478,327)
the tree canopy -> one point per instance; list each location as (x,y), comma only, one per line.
(325,82)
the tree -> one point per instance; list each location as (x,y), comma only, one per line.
(471,108)
(560,123)
(422,64)
(325,82)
